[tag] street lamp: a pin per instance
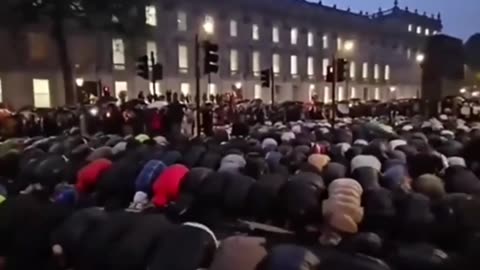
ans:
(238, 85)
(420, 58)
(348, 46)
(463, 90)
(79, 82)
(208, 26)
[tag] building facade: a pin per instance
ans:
(297, 39)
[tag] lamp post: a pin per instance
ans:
(420, 58)
(208, 27)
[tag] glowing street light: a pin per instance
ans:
(79, 82)
(475, 94)
(349, 45)
(238, 85)
(463, 90)
(420, 58)
(208, 26)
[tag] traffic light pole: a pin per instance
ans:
(197, 82)
(272, 86)
(152, 61)
(334, 85)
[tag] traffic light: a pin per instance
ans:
(330, 74)
(157, 72)
(211, 57)
(342, 69)
(265, 77)
(142, 67)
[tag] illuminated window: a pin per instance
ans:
(182, 21)
(185, 89)
(410, 28)
(326, 94)
(310, 67)
(325, 63)
(151, 15)
(310, 40)
(157, 88)
(276, 63)
(118, 48)
(387, 72)
(257, 91)
(275, 34)
(339, 43)
(376, 72)
(256, 63)
(294, 36)
(41, 93)
(212, 89)
(182, 58)
(233, 28)
(353, 92)
(255, 30)
(233, 61)
(434, 32)
(293, 65)
(377, 93)
(311, 91)
(427, 32)
(325, 41)
(341, 94)
(419, 30)
(365, 70)
(119, 87)
(352, 70)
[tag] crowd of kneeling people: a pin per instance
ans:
(302, 195)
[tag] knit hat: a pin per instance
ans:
(160, 140)
(395, 143)
(287, 136)
(232, 162)
(360, 142)
(430, 185)
(457, 161)
(297, 129)
(119, 147)
(318, 161)
(142, 138)
(365, 161)
(269, 144)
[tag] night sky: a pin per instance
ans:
(460, 18)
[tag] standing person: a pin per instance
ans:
(174, 116)
(141, 96)
(207, 119)
(187, 123)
